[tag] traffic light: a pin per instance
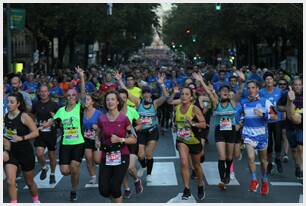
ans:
(218, 7)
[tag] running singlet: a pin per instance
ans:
(225, 116)
(148, 117)
(184, 131)
(71, 124)
(274, 97)
(89, 132)
(255, 129)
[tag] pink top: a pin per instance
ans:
(117, 127)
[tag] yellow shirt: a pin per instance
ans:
(135, 91)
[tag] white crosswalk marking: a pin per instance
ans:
(178, 199)
(212, 175)
(163, 174)
(45, 183)
(301, 198)
(286, 184)
(91, 185)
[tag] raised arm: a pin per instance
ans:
(83, 93)
(241, 85)
(213, 97)
(171, 100)
(295, 117)
(162, 99)
(131, 97)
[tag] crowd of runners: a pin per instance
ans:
(114, 116)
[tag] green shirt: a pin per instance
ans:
(135, 91)
(132, 114)
(71, 122)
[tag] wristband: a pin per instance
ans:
(162, 85)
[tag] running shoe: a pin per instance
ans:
(43, 173)
(269, 168)
(253, 186)
(221, 185)
(138, 186)
(227, 179)
(149, 178)
(52, 179)
(193, 175)
(186, 194)
(141, 171)
(298, 173)
(201, 193)
(127, 194)
(279, 165)
(285, 158)
(264, 190)
(36, 201)
(73, 196)
(93, 180)
(232, 175)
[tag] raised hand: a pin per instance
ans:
(118, 75)
(197, 76)
(291, 94)
(161, 78)
(240, 75)
(79, 70)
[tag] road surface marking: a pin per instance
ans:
(163, 174)
(211, 174)
(178, 199)
(286, 184)
(91, 185)
(45, 183)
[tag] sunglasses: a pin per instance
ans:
(282, 84)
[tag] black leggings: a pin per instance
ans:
(275, 130)
(111, 177)
(165, 114)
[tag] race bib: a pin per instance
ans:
(113, 158)
(71, 133)
(251, 142)
(146, 121)
(90, 134)
(8, 133)
(226, 124)
(47, 129)
(184, 133)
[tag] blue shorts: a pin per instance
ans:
(295, 137)
(258, 144)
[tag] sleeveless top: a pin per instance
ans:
(184, 130)
(148, 116)
(225, 116)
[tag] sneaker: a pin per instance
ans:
(36, 201)
(221, 186)
(52, 179)
(253, 186)
(269, 168)
(193, 175)
(149, 178)
(227, 179)
(186, 194)
(264, 190)
(298, 173)
(43, 173)
(138, 186)
(285, 158)
(127, 194)
(201, 193)
(279, 165)
(73, 196)
(93, 180)
(232, 175)
(141, 171)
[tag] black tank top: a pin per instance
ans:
(14, 126)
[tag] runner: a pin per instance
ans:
(133, 116)
(187, 143)
(115, 135)
(257, 111)
(225, 130)
(149, 135)
(274, 127)
(71, 149)
(43, 109)
(294, 130)
(19, 128)
(90, 122)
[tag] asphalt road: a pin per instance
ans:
(167, 182)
